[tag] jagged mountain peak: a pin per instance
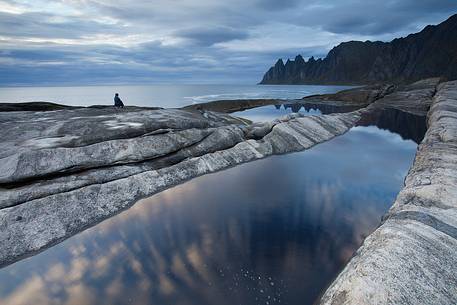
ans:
(430, 53)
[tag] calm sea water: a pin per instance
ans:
(157, 95)
(274, 231)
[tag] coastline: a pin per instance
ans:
(60, 212)
(43, 206)
(410, 258)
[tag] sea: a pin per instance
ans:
(163, 95)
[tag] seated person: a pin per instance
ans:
(117, 101)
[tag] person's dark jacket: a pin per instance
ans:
(118, 102)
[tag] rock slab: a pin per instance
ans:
(57, 181)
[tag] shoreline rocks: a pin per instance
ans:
(101, 163)
(410, 258)
(50, 106)
(106, 160)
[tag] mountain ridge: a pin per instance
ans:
(431, 52)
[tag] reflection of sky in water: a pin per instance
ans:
(274, 231)
(271, 112)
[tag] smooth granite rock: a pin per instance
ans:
(414, 98)
(355, 96)
(64, 171)
(215, 139)
(411, 258)
(37, 144)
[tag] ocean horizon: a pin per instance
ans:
(159, 95)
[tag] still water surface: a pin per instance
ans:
(158, 95)
(274, 231)
(271, 112)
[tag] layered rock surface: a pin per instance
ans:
(414, 98)
(62, 171)
(410, 258)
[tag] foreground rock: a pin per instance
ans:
(63, 171)
(38, 144)
(411, 258)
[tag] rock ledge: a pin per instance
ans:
(411, 258)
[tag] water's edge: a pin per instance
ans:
(413, 247)
(63, 215)
(410, 258)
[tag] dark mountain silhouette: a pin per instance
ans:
(429, 53)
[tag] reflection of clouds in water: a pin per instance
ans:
(80, 294)
(77, 269)
(259, 230)
(387, 135)
(46, 290)
(31, 291)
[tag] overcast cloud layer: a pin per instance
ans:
(188, 41)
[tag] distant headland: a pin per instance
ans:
(429, 53)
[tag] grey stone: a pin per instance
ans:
(415, 98)
(97, 164)
(410, 258)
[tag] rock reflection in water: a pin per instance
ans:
(325, 108)
(274, 231)
(271, 112)
(407, 125)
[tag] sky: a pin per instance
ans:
(188, 41)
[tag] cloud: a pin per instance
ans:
(50, 26)
(278, 5)
(372, 17)
(211, 36)
(108, 41)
